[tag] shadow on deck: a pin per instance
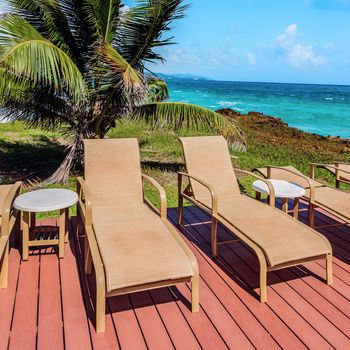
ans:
(49, 306)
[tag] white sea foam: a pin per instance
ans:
(228, 103)
(177, 91)
(329, 98)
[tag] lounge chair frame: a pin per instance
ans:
(93, 258)
(338, 178)
(187, 193)
(313, 204)
(10, 219)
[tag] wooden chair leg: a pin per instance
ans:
(296, 208)
(4, 265)
(329, 262)
(263, 282)
(312, 215)
(337, 183)
(100, 306)
(32, 220)
(17, 228)
(195, 293)
(66, 238)
(180, 210)
(25, 236)
(62, 232)
(214, 237)
(87, 257)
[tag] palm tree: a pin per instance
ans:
(80, 65)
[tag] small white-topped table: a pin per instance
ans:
(283, 189)
(43, 201)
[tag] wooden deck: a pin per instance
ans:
(47, 304)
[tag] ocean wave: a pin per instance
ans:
(227, 103)
(329, 98)
(177, 91)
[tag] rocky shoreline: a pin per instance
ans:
(276, 131)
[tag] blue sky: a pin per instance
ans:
(263, 40)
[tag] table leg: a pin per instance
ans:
(285, 205)
(25, 236)
(32, 219)
(66, 227)
(62, 233)
(258, 195)
(296, 208)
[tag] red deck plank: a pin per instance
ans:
(153, 330)
(207, 335)
(301, 309)
(50, 324)
(76, 330)
(128, 329)
(175, 323)
(7, 299)
(24, 327)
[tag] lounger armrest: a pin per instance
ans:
(162, 195)
(8, 209)
(322, 165)
(214, 198)
(272, 195)
(84, 201)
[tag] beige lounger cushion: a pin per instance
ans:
(281, 238)
(137, 249)
(135, 244)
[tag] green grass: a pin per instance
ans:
(27, 153)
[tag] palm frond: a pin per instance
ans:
(157, 90)
(118, 69)
(177, 116)
(143, 26)
(26, 53)
(12, 88)
(103, 15)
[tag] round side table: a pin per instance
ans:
(39, 201)
(283, 189)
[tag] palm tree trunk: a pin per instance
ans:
(61, 175)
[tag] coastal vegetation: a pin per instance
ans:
(79, 68)
(31, 154)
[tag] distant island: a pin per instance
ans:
(182, 77)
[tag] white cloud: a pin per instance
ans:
(294, 53)
(181, 55)
(251, 58)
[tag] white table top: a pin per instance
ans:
(283, 189)
(45, 200)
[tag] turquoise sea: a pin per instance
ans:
(321, 109)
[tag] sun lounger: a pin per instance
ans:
(340, 170)
(332, 200)
(278, 240)
(130, 244)
(9, 217)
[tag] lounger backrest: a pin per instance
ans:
(287, 176)
(208, 158)
(113, 171)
